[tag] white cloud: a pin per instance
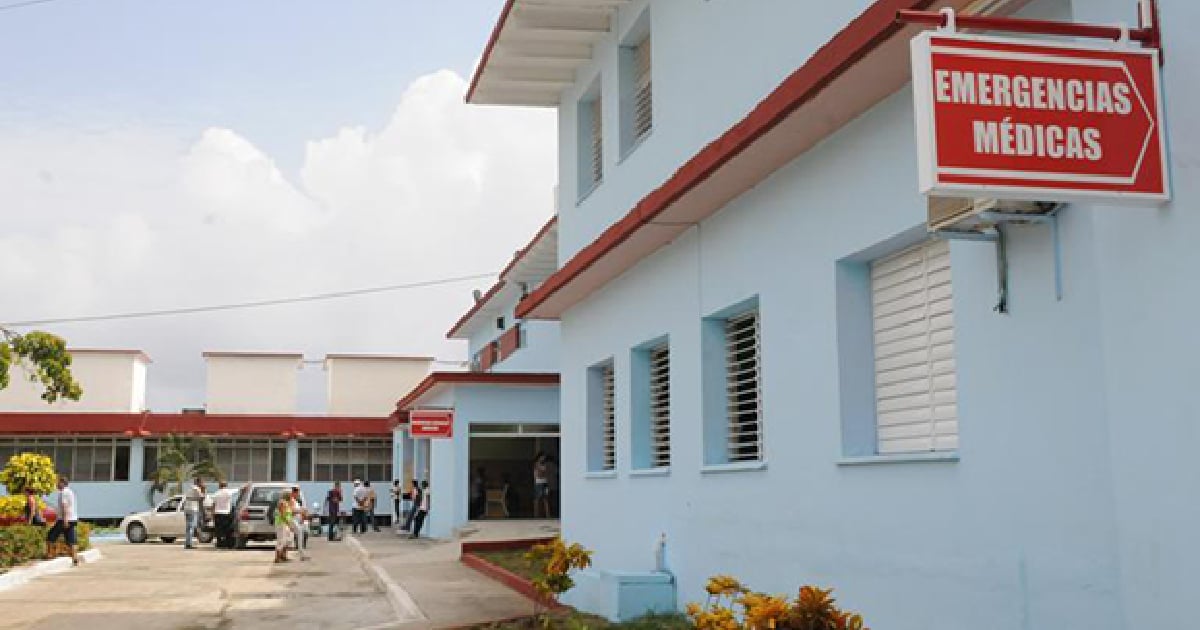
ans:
(132, 219)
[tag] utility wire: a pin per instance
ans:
(21, 5)
(256, 304)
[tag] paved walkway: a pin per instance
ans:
(448, 594)
(376, 581)
(155, 586)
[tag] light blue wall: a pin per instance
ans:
(541, 350)
(449, 477)
(721, 58)
(1073, 502)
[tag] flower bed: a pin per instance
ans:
(24, 543)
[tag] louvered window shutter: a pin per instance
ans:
(915, 382)
(643, 99)
(743, 393)
(660, 405)
(610, 425)
(597, 141)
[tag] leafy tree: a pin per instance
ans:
(181, 459)
(44, 358)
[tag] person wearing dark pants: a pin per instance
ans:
(333, 505)
(422, 510)
(372, 501)
(414, 499)
(359, 515)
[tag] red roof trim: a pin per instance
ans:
(541, 233)
(158, 424)
(527, 379)
(487, 51)
(476, 307)
(873, 26)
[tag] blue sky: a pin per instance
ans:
(278, 71)
(159, 154)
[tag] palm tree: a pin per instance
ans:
(181, 459)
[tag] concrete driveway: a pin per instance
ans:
(156, 586)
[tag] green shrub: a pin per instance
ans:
(20, 544)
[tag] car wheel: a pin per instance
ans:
(168, 539)
(204, 537)
(240, 543)
(135, 533)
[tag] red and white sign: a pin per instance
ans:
(431, 423)
(1042, 121)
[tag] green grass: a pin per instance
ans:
(512, 560)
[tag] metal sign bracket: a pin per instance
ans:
(996, 235)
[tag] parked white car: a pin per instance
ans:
(166, 522)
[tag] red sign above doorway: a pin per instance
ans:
(1013, 119)
(431, 423)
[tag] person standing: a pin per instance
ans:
(33, 515)
(283, 532)
(359, 515)
(396, 491)
(193, 510)
(298, 513)
(414, 499)
(422, 509)
(541, 486)
(68, 518)
(372, 501)
(333, 505)
(223, 515)
(478, 494)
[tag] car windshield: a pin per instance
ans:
(265, 495)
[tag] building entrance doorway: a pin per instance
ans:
(501, 471)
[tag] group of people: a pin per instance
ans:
(363, 510)
(67, 518)
(193, 510)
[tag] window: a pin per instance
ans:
(79, 458)
(743, 398)
(652, 406)
(590, 114)
(610, 419)
(278, 462)
(602, 430)
(170, 505)
(343, 460)
(731, 372)
(637, 94)
(913, 336)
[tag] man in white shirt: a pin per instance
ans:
(193, 511)
(359, 514)
(68, 518)
(223, 515)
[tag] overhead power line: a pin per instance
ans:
(255, 304)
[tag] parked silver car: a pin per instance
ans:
(166, 521)
(255, 510)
